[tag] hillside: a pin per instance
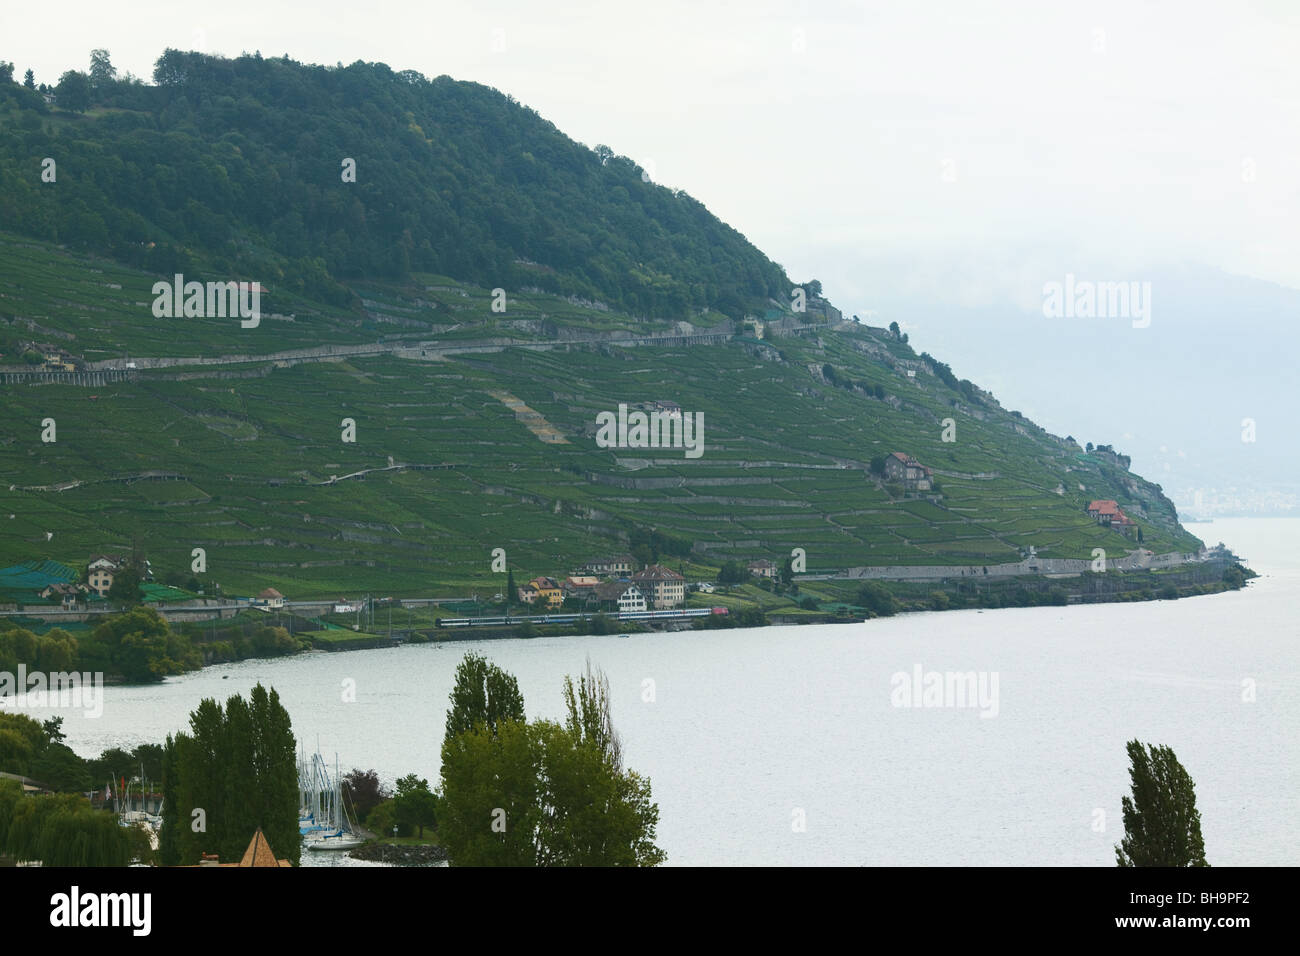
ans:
(236, 168)
(475, 429)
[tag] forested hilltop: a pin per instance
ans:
(234, 167)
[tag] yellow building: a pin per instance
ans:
(549, 591)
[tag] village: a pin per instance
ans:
(616, 585)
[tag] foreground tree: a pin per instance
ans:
(236, 770)
(541, 794)
(484, 694)
(589, 718)
(1162, 826)
(63, 830)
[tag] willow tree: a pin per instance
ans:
(62, 830)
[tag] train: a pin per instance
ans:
(501, 620)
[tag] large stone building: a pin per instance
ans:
(664, 588)
(907, 471)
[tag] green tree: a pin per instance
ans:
(125, 589)
(644, 554)
(415, 805)
(536, 796)
(73, 91)
(541, 794)
(169, 834)
(876, 598)
(483, 694)
(512, 593)
(239, 767)
(60, 830)
(102, 72)
(142, 647)
(59, 768)
(29, 80)
(733, 572)
(1162, 826)
(588, 714)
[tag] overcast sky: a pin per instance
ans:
(1007, 140)
(933, 163)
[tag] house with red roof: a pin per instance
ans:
(1107, 512)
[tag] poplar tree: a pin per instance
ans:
(238, 766)
(1162, 826)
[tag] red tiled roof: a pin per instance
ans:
(657, 572)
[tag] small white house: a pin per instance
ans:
(270, 598)
(631, 600)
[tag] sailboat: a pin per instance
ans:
(151, 822)
(323, 820)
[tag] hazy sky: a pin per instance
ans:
(932, 163)
(1006, 141)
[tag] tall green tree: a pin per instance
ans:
(540, 794)
(589, 716)
(237, 766)
(483, 694)
(102, 71)
(787, 572)
(1162, 826)
(169, 835)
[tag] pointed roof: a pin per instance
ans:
(259, 852)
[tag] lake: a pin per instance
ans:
(789, 745)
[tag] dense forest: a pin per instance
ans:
(240, 168)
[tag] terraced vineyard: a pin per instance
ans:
(248, 461)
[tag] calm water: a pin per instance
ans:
(748, 729)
